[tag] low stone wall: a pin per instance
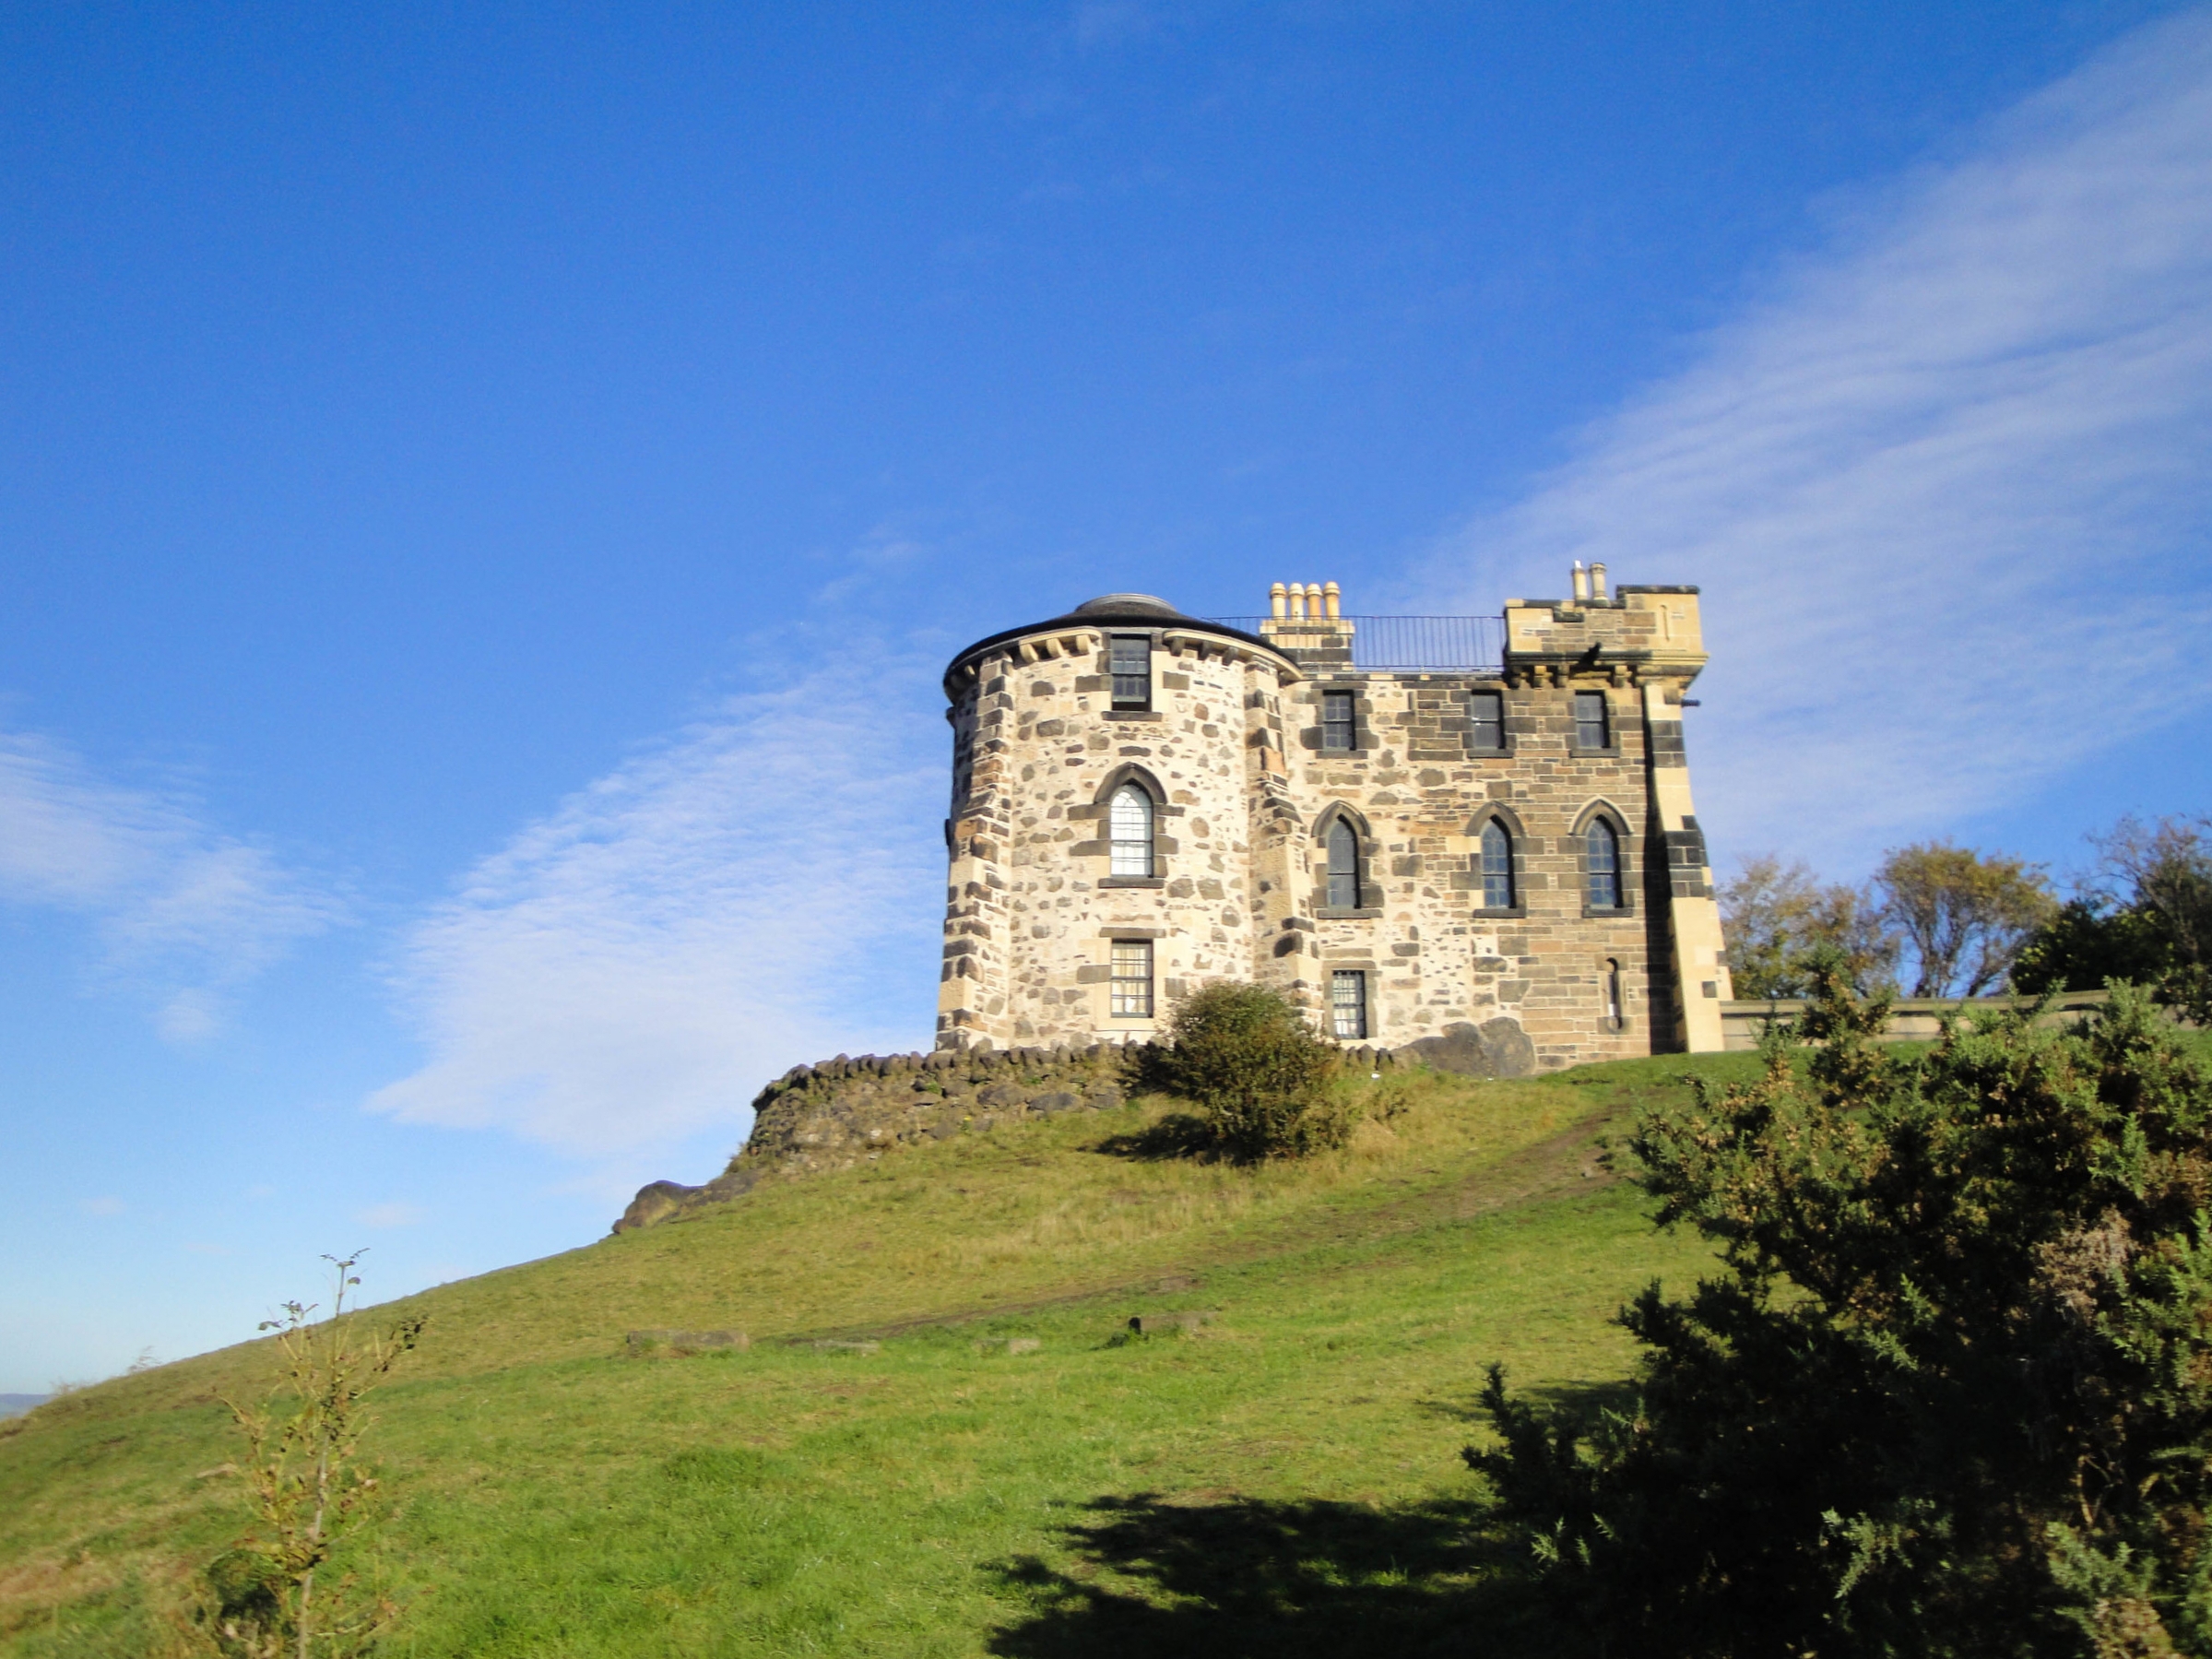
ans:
(846, 1111)
(1912, 1019)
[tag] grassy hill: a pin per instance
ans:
(1284, 1480)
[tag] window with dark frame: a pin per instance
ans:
(1129, 831)
(1497, 867)
(1129, 661)
(1348, 1004)
(1338, 721)
(1602, 865)
(1343, 865)
(1131, 983)
(1591, 729)
(1487, 714)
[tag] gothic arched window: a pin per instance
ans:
(1497, 867)
(1602, 864)
(1129, 820)
(1343, 865)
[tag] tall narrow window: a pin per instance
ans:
(1592, 730)
(1344, 867)
(1132, 978)
(1602, 865)
(1131, 664)
(1128, 831)
(1337, 720)
(1487, 714)
(1613, 995)
(1497, 867)
(1348, 1004)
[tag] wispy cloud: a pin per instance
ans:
(179, 906)
(758, 891)
(1944, 482)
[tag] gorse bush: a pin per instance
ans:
(1250, 1060)
(1952, 1393)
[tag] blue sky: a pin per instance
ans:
(485, 494)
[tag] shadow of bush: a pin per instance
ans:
(1177, 1135)
(1252, 1577)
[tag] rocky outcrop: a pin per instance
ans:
(847, 1111)
(1496, 1048)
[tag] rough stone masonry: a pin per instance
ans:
(1143, 801)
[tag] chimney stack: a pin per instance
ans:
(1597, 583)
(1582, 583)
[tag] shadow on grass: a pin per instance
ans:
(1248, 1577)
(1585, 1401)
(1177, 1135)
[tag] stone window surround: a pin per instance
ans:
(1628, 872)
(1518, 837)
(1504, 752)
(1371, 1004)
(1364, 741)
(1370, 851)
(1163, 847)
(1612, 969)
(1612, 725)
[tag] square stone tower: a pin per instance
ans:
(1472, 835)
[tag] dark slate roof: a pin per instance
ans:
(1135, 608)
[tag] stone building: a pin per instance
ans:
(1468, 832)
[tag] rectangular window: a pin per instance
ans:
(1592, 730)
(1130, 657)
(1338, 721)
(1348, 1004)
(1132, 978)
(1487, 710)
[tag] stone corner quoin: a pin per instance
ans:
(1144, 802)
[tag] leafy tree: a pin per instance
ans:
(1248, 1058)
(1951, 1393)
(2145, 915)
(1777, 917)
(1962, 914)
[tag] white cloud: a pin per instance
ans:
(751, 893)
(179, 907)
(1944, 484)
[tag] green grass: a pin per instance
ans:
(1285, 1480)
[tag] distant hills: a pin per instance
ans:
(15, 1405)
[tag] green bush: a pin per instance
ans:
(1952, 1393)
(1251, 1062)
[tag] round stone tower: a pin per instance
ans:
(1106, 765)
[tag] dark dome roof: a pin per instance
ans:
(1125, 604)
(1107, 608)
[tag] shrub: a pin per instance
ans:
(1248, 1058)
(1952, 1393)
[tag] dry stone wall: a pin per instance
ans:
(849, 1111)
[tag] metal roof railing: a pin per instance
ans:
(1461, 645)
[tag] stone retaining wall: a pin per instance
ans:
(847, 1111)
